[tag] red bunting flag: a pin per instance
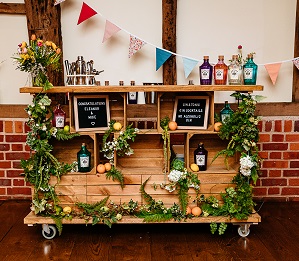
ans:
(86, 13)
(273, 70)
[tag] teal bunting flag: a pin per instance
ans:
(189, 65)
(161, 57)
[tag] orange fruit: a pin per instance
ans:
(107, 166)
(188, 211)
(217, 126)
(196, 211)
(172, 125)
(101, 168)
(117, 126)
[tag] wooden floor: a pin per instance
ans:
(275, 238)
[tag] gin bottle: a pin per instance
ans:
(235, 72)
(226, 112)
(220, 71)
(201, 157)
(83, 157)
(59, 116)
(132, 96)
(206, 72)
(250, 71)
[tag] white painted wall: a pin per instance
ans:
(203, 28)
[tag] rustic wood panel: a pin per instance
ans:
(295, 93)
(113, 190)
(44, 20)
(169, 11)
(70, 190)
(12, 8)
(102, 180)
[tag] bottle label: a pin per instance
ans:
(133, 96)
(59, 121)
(234, 73)
(219, 74)
(248, 73)
(205, 73)
(84, 162)
(225, 117)
(200, 160)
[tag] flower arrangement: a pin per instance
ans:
(37, 58)
(241, 129)
(181, 179)
(42, 164)
(120, 145)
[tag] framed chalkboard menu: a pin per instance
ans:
(91, 112)
(191, 112)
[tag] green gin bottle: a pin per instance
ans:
(250, 71)
(226, 112)
(83, 157)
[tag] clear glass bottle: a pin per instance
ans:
(132, 96)
(226, 112)
(59, 116)
(83, 158)
(250, 71)
(220, 71)
(206, 72)
(235, 72)
(201, 157)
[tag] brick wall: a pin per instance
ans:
(279, 147)
(12, 150)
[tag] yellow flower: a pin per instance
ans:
(48, 43)
(24, 44)
(54, 46)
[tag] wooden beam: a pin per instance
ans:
(169, 11)
(12, 8)
(44, 20)
(295, 96)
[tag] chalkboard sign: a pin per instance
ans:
(91, 112)
(191, 112)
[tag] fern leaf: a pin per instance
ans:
(115, 174)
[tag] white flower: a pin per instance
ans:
(246, 165)
(175, 175)
(119, 216)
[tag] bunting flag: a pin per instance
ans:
(273, 70)
(296, 62)
(86, 13)
(135, 45)
(161, 57)
(189, 65)
(110, 29)
(57, 2)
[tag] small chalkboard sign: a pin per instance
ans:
(191, 112)
(91, 112)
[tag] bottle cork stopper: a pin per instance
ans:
(206, 57)
(221, 57)
(249, 55)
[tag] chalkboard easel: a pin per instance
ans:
(191, 112)
(91, 112)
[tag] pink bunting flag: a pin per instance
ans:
(135, 45)
(273, 70)
(110, 29)
(57, 2)
(86, 13)
(296, 62)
